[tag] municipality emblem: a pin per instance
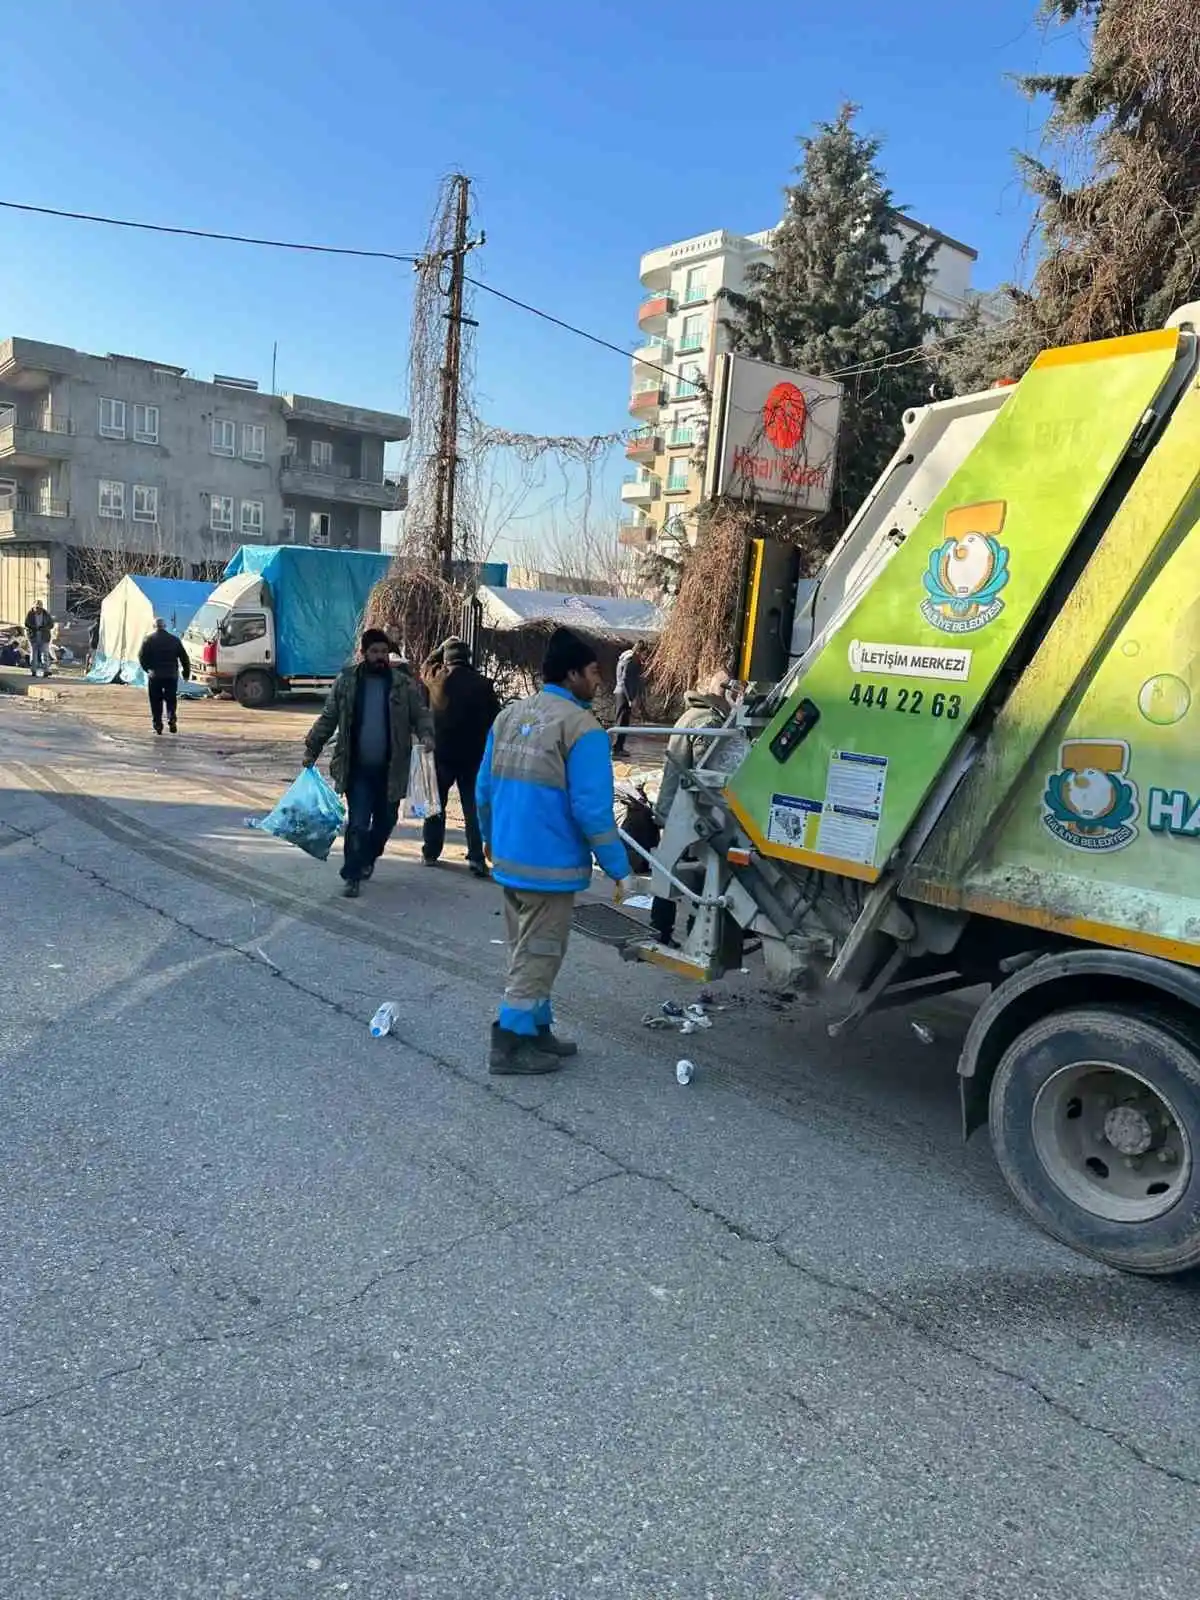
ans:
(968, 570)
(1091, 803)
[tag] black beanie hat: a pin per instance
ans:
(566, 652)
(456, 654)
(374, 636)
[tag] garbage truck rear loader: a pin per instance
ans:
(984, 768)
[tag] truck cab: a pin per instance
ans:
(231, 641)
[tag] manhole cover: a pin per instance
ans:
(607, 923)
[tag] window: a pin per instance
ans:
(696, 286)
(677, 475)
(682, 433)
(242, 630)
(145, 503)
(220, 515)
(112, 499)
(289, 522)
(318, 527)
(112, 419)
(254, 441)
(224, 437)
(692, 336)
(322, 455)
(252, 519)
(145, 425)
(688, 386)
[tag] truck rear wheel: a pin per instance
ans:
(1095, 1121)
(254, 689)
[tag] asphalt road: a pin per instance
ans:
(289, 1311)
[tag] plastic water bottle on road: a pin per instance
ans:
(384, 1019)
(685, 1071)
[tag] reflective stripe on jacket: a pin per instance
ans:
(545, 795)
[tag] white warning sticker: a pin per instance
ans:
(910, 661)
(853, 806)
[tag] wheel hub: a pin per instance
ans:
(1128, 1130)
(1111, 1142)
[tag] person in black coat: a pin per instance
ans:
(162, 658)
(464, 706)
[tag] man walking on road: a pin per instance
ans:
(464, 708)
(162, 658)
(546, 807)
(39, 629)
(630, 677)
(376, 710)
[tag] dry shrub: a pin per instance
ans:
(699, 634)
(417, 609)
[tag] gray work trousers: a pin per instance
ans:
(538, 927)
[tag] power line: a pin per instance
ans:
(880, 364)
(206, 233)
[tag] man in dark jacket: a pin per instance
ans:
(376, 710)
(161, 658)
(464, 707)
(627, 691)
(39, 630)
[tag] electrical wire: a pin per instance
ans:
(887, 362)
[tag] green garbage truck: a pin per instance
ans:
(983, 769)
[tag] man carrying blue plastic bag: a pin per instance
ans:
(376, 711)
(545, 795)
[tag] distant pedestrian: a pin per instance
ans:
(39, 630)
(546, 807)
(631, 668)
(464, 707)
(376, 711)
(162, 658)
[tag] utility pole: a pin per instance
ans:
(447, 456)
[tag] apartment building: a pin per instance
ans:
(115, 453)
(681, 335)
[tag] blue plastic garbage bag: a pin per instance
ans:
(309, 815)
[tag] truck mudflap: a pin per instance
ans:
(1054, 982)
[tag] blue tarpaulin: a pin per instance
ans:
(318, 597)
(127, 615)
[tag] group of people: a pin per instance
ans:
(535, 781)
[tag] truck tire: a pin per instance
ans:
(1095, 1122)
(254, 689)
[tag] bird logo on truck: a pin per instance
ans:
(968, 570)
(1091, 803)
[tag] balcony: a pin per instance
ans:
(385, 425)
(681, 435)
(640, 488)
(653, 352)
(32, 516)
(335, 481)
(647, 401)
(677, 482)
(655, 309)
(690, 343)
(30, 439)
(636, 535)
(643, 444)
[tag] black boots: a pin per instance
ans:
(517, 1054)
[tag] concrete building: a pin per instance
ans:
(680, 322)
(117, 454)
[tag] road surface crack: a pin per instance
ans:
(929, 1331)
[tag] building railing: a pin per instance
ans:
(35, 421)
(658, 294)
(693, 341)
(685, 435)
(38, 505)
(329, 469)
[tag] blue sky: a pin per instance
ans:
(593, 134)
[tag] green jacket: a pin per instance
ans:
(410, 720)
(686, 746)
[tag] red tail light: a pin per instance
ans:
(209, 656)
